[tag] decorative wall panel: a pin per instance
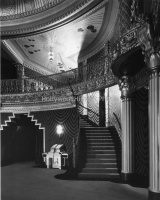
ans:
(50, 119)
(141, 132)
(93, 105)
(115, 108)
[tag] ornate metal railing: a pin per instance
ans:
(43, 83)
(125, 43)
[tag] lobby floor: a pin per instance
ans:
(25, 181)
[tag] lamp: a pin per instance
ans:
(59, 129)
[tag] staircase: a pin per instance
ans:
(103, 159)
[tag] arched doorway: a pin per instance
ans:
(21, 140)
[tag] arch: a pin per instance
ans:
(32, 119)
(6, 121)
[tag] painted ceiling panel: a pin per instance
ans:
(58, 50)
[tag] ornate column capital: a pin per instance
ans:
(150, 44)
(127, 87)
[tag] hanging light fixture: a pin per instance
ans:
(51, 55)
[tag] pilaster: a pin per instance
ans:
(127, 121)
(150, 43)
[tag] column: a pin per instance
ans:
(20, 76)
(102, 108)
(154, 134)
(127, 121)
(150, 44)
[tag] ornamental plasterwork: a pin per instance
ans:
(12, 9)
(58, 95)
(110, 32)
(55, 20)
(24, 109)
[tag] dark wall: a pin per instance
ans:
(141, 132)
(21, 140)
(8, 70)
(50, 119)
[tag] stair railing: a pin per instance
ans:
(95, 115)
(117, 124)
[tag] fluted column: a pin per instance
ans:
(150, 44)
(127, 121)
(154, 134)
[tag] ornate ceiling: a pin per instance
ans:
(12, 9)
(56, 49)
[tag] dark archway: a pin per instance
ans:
(21, 140)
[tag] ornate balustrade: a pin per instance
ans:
(57, 88)
(125, 43)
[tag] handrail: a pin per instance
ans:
(119, 124)
(88, 109)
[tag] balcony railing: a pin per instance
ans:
(94, 70)
(44, 83)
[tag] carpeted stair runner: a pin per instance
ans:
(103, 160)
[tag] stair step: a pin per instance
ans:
(104, 147)
(101, 160)
(101, 165)
(91, 133)
(95, 130)
(101, 151)
(99, 137)
(100, 170)
(99, 129)
(101, 143)
(103, 156)
(100, 140)
(99, 176)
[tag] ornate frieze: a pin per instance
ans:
(54, 20)
(34, 107)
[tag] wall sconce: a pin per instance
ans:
(59, 129)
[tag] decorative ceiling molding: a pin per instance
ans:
(104, 35)
(39, 26)
(25, 8)
(14, 53)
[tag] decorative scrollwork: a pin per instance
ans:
(127, 86)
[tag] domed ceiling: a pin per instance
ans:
(58, 50)
(11, 9)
